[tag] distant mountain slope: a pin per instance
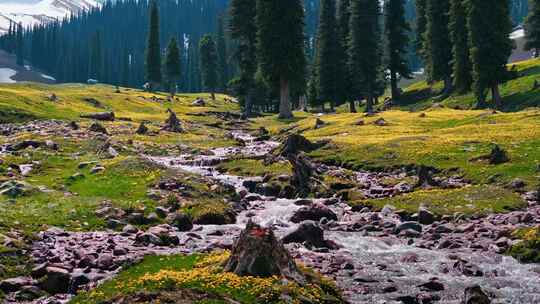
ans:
(10, 72)
(30, 12)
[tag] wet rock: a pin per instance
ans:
(433, 285)
(258, 253)
(28, 293)
(517, 184)
(315, 212)
(408, 225)
(129, 229)
(56, 281)
(136, 218)
(180, 220)
(78, 281)
(467, 268)
(103, 116)
(14, 284)
(425, 217)
(31, 143)
(307, 232)
(475, 295)
(216, 218)
(98, 128)
(105, 261)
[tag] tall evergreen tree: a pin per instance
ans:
(344, 74)
(244, 31)
(489, 26)
(221, 46)
(462, 67)
(20, 45)
(153, 49)
(438, 43)
(126, 65)
(327, 54)
(532, 27)
(280, 46)
(365, 50)
(421, 23)
(173, 68)
(207, 50)
(96, 58)
(397, 42)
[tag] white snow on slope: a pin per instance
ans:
(520, 33)
(6, 74)
(30, 12)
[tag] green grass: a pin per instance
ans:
(478, 200)
(166, 275)
(528, 249)
(251, 167)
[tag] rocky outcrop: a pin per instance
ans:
(315, 212)
(258, 253)
(309, 233)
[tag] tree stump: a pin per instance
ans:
(475, 295)
(294, 144)
(425, 178)
(258, 253)
(98, 128)
(142, 129)
(498, 156)
(172, 124)
(303, 173)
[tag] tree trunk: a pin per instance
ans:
(448, 87)
(496, 96)
(172, 88)
(394, 86)
(481, 102)
(352, 106)
(213, 95)
(247, 106)
(332, 108)
(369, 104)
(285, 102)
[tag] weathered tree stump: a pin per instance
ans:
(257, 252)
(104, 116)
(498, 156)
(73, 125)
(142, 129)
(303, 173)
(425, 178)
(296, 143)
(475, 295)
(172, 124)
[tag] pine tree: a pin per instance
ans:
(421, 24)
(489, 26)
(344, 74)
(153, 49)
(96, 58)
(280, 46)
(397, 41)
(532, 27)
(173, 69)
(20, 45)
(221, 45)
(327, 54)
(125, 80)
(244, 31)
(437, 46)
(462, 68)
(207, 50)
(364, 50)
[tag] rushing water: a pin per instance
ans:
(379, 269)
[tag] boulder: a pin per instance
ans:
(425, 177)
(14, 284)
(98, 128)
(425, 217)
(199, 102)
(307, 232)
(102, 116)
(73, 125)
(28, 293)
(475, 295)
(57, 280)
(314, 212)
(180, 220)
(408, 225)
(258, 253)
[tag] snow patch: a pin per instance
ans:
(6, 74)
(517, 34)
(48, 77)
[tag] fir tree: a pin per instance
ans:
(153, 49)
(20, 45)
(421, 24)
(397, 42)
(207, 50)
(125, 80)
(344, 74)
(96, 58)
(221, 46)
(532, 27)
(280, 46)
(173, 69)
(327, 54)
(437, 47)
(364, 50)
(462, 68)
(489, 26)
(244, 31)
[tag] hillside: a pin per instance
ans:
(10, 72)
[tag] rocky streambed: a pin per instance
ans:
(375, 257)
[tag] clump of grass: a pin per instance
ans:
(528, 249)
(251, 167)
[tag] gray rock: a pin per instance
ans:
(307, 232)
(408, 225)
(180, 220)
(15, 284)
(314, 212)
(475, 295)
(425, 217)
(56, 281)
